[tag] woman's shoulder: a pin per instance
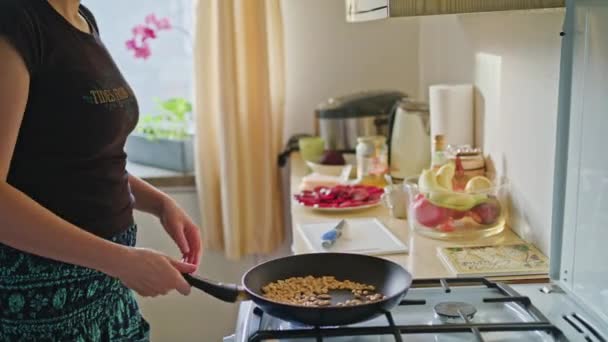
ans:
(19, 23)
(19, 12)
(16, 7)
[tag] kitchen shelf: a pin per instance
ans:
(407, 8)
(366, 10)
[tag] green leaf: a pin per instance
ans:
(170, 123)
(178, 106)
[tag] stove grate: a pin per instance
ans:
(318, 333)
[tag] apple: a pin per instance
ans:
(457, 215)
(486, 213)
(428, 214)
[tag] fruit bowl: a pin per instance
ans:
(439, 210)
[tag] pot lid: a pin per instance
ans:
(361, 104)
(413, 106)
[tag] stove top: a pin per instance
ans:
(462, 309)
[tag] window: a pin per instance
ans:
(165, 77)
(167, 73)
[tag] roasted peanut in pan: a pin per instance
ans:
(312, 291)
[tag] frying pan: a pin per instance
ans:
(390, 279)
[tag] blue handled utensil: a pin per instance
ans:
(330, 237)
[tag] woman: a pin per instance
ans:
(67, 259)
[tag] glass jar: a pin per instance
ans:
(442, 214)
(380, 162)
(365, 152)
(439, 157)
(469, 162)
(372, 160)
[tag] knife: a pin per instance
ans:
(329, 238)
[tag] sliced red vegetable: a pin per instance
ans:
(340, 196)
(359, 195)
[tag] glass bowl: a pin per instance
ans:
(457, 215)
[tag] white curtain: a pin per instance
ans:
(239, 103)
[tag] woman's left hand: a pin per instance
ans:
(182, 230)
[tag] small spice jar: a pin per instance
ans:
(469, 162)
(372, 160)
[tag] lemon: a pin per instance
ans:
(457, 200)
(478, 184)
(445, 175)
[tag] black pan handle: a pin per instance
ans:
(230, 293)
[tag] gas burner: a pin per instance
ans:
(455, 310)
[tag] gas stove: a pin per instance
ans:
(460, 309)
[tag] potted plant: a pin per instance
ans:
(163, 139)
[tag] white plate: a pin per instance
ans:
(341, 210)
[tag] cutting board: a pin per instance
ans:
(362, 236)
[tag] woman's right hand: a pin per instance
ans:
(150, 273)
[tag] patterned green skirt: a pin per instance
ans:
(46, 300)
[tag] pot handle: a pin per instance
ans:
(230, 293)
(391, 124)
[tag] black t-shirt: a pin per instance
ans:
(69, 155)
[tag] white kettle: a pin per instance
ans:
(410, 141)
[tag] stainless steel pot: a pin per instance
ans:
(340, 121)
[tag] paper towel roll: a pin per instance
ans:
(452, 113)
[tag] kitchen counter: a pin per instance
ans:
(161, 178)
(422, 260)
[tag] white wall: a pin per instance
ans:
(325, 57)
(513, 59)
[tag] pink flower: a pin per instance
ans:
(163, 24)
(143, 51)
(144, 31)
(160, 24)
(151, 19)
(131, 45)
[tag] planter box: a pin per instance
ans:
(176, 155)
